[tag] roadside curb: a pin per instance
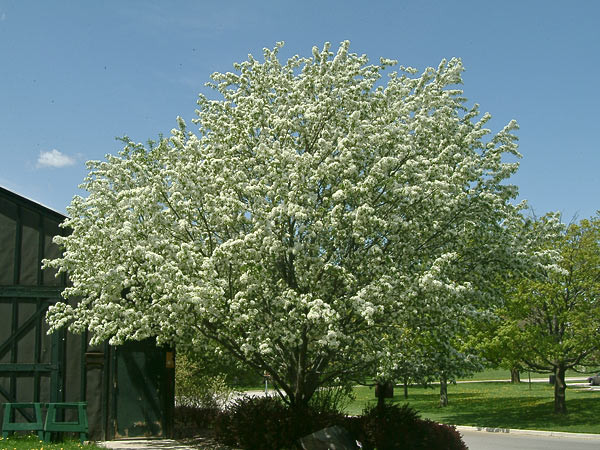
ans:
(588, 436)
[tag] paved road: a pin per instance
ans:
(482, 440)
(475, 440)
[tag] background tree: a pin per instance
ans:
(198, 387)
(492, 335)
(552, 319)
(449, 359)
(421, 355)
(315, 208)
(491, 339)
(450, 362)
(212, 362)
(404, 359)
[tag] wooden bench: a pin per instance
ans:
(9, 427)
(52, 424)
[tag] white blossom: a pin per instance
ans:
(315, 208)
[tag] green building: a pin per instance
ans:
(129, 390)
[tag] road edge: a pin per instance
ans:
(589, 436)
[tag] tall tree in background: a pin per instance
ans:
(315, 209)
(425, 353)
(551, 322)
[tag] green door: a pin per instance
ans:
(143, 395)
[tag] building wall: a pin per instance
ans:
(32, 366)
(35, 366)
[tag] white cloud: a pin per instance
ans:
(54, 158)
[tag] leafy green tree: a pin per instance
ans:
(450, 360)
(404, 359)
(551, 322)
(420, 355)
(315, 208)
(490, 338)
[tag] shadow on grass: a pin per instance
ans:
(431, 397)
(499, 405)
(526, 413)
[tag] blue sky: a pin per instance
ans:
(76, 74)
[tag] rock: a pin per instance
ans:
(331, 438)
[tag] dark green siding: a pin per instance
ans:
(35, 366)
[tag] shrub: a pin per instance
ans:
(193, 388)
(395, 427)
(386, 427)
(223, 428)
(189, 420)
(255, 423)
(439, 436)
(332, 399)
(266, 423)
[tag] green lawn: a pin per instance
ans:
(33, 443)
(503, 374)
(487, 374)
(501, 405)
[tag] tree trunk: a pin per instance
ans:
(443, 392)
(515, 376)
(380, 402)
(301, 390)
(305, 381)
(383, 390)
(560, 399)
(406, 388)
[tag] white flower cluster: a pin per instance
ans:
(315, 210)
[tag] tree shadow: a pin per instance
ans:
(527, 413)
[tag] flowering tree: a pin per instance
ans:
(316, 208)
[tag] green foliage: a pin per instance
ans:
(394, 427)
(209, 361)
(194, 388)
(33, 443)
(551, 317)
(558, 312)
(333, 399)
(265, 423)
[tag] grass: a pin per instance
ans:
(502, 405)
(33, 443)
(503, 374)
(487, 374)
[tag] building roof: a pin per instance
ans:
(32, 204)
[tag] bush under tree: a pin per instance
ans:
(268, 424)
